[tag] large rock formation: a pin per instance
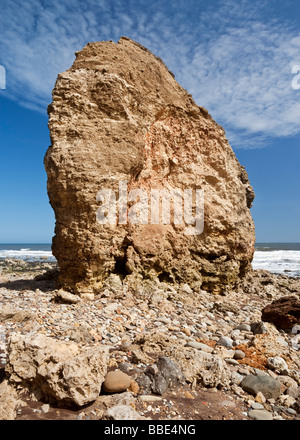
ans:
(118, 115)
(57, 370)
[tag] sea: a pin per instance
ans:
(279, 258)
(27, 251)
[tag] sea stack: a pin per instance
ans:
(124, 132)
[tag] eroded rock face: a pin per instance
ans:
(207, 369)
(8, 401)
(118, 115)
(58, 370)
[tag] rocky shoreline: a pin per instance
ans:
(166, 352)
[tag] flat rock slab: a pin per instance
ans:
(269, 387)
(260, 414)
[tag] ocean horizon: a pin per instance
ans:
(27, 251)
(279, 258)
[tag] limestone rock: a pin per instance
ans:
(271, 344)
(123, 412)
(156, 342)
(9, 313)
(283, 312)
(79, 334)
(260, 398)
(226, 306)
(8, 401)
(118, 115)
(205, 368)
(65, 297)
(278, 364)
(118, 407)
(62, 371)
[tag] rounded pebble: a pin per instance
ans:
(259, 414)
(239, 354)
(116, 382)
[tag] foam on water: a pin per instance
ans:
(280, 258)
(285, 262)
(27, 254)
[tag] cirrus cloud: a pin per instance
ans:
(236, 60)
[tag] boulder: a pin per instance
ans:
(123, 133)
(58, 370)
(269, 387)
(283, 312)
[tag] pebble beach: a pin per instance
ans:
(139, 326)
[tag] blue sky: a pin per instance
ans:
(234, 57)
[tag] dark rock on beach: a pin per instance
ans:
(283, 312)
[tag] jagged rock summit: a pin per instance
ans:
(121, 130)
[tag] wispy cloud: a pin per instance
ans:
(234, 57)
